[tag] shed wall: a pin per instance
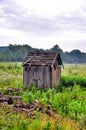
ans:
(56, 75)
(39, 75)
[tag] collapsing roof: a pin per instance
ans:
(42, 69)
(42, 59)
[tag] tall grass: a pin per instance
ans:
(74, 70)
(67, 99)
(11, 75)
(9, 120)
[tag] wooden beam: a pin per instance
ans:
(29, 59)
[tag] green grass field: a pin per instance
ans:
(68, 99)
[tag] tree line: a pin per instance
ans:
(18, 53)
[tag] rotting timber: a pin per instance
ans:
(15, 102)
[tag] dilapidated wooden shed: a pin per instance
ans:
(42, 69)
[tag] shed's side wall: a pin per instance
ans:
(56, 75)
(41, 75)
(53, 77)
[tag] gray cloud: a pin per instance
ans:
(12, 16)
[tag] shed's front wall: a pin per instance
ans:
(39, 75)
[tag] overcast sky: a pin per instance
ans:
(44, 23)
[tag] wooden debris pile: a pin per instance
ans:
(18, 106)
(35, 106)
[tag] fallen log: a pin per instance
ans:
(13, 90)
(4, 99)
(51, 113)
(22, 105)
(9, 99)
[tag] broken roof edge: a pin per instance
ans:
(30, 58)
